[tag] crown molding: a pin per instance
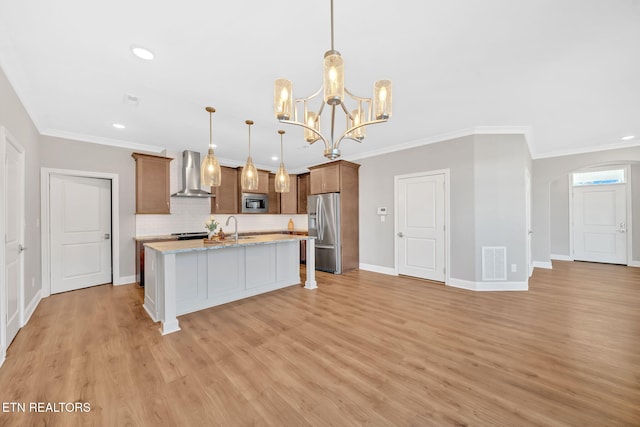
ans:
(103, 141)
(585, 150)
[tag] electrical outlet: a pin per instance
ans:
(514, 268)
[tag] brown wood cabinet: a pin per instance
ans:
(263, 182)
(342, 177)
(274, 198)
(226, 200)
(152, 184)
(303, 192)
(325, 178)
(289, 200)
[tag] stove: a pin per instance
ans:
(191, 235)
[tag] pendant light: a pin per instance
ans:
(282, 177)
(210, 172)
(249, 179)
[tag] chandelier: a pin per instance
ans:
(365, 112)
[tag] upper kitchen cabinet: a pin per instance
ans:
(303, 192)
(274, 198)
(152, 184)
(226, 200)
(333, 177)
(263, 182)
(289, 200)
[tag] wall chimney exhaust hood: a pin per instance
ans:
(191, 176)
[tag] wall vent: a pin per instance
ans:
(494, 263)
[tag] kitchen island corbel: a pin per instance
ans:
(188, 275)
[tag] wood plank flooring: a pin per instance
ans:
(363, 349)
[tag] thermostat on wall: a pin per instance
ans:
(382, 211)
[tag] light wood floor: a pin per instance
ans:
(364, 348)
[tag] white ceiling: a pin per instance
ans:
(566, 72)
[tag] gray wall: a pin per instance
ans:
(487, 199)
(82, 156)
(545, 174)
(500, 164)
(14, 117)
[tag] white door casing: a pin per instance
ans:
(527, 215)
(420, 225)
(600, 223)
(13, 190)
(80, 224)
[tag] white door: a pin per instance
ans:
(599, 223)
(80, 223)
(14, 237)
(420, 235)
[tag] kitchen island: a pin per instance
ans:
(184, 276)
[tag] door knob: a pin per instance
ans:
(107, 236)
(21, 248)
(400, 234)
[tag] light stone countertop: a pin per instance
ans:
(241, 233)
(176, 246)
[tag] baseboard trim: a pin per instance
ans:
(378, 269)
(2, 357)
(634, 264)
(125, 280)
(488, 286)
(561, 257)
(543, 264)
(149, 312)
(31, 308)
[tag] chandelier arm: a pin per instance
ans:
(348, 131)
(344, 108)
(356, 97)
(291, 122)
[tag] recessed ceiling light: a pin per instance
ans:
(118, 126)
(142, 53)
(628, 137)
(274, 157)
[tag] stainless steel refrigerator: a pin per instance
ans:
(324, 225)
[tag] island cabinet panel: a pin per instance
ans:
(226, 200)
(225, 272)
(152, 184)
(287, 263)
(261, 266)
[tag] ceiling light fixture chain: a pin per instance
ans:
(282, 181)
(368, 110)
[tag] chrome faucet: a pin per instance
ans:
(235, 220)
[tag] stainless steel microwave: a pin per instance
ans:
(255, 203)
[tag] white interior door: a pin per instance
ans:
(80, 223)
(600, 223)
(420, 227)
(14, 238)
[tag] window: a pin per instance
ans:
(599, 177)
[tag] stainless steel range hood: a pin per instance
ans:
(191, 176)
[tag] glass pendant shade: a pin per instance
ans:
(382, 99)
(358, 118)
(282, 177)
(333, 78)
(282, 180)
(210, 172)
(249, 178)
(311, 119)
(283, 99)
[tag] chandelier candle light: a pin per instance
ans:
(282, 177)
(210, 172)
(367, 111)
(249, 179)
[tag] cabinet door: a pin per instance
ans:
(226, 200)
(289, 200)
(303, 192)
(325, 179)
(152, 184)
(274, 198)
